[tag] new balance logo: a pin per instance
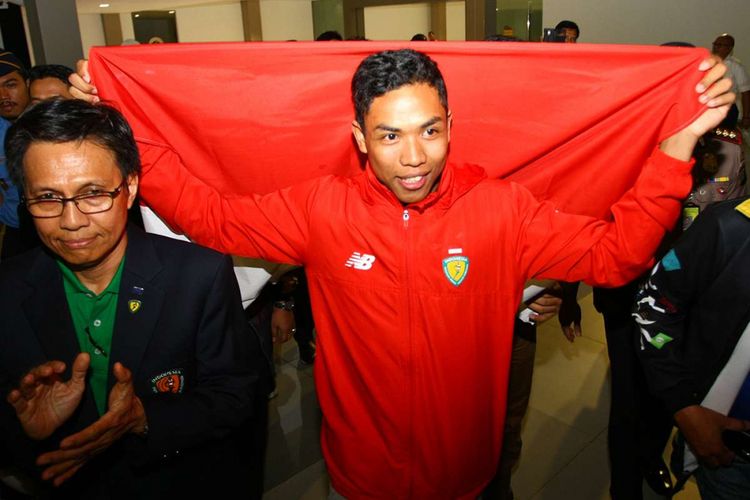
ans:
(361, 261)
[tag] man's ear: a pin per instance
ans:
(450, 123)
(359, 136)
(132, 189)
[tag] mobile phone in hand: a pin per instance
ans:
(738, 442)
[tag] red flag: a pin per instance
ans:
(573, 123)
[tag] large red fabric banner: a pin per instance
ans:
(573, 123)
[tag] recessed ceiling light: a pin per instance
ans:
(171, 12)
(137, 15)
(103, 5)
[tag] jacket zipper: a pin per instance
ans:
(410, 351)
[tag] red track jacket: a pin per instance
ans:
(414, 305)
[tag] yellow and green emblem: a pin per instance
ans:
(456, 268)
(134, 306)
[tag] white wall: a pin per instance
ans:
(286, 20)
(92, 31)
(126, 24)
(26, 28)
(655, 21)
(397, 22)
(455, 12)
(210, 23)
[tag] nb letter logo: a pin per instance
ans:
(361, 261)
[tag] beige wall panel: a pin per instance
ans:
(92, 31)
(210, 23)
(286, 20)
(397, 22)
(455, 19)
(126, 22)
(651, 23)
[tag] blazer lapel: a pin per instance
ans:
(139, 302)
(47, 312)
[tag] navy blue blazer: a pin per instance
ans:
(180, 329)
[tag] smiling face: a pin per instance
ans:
(406, 136)
(85, 242)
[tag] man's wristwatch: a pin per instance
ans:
(287, 304)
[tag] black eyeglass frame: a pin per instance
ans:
(75, 199)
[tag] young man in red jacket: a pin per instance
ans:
(415, 269)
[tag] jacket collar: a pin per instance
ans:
(139, 303)
(455, 181)
(47, 311)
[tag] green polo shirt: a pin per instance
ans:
(94, 320)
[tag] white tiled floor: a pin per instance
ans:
(565, 432)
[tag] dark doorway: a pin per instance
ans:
(151, 26)
(14, 34)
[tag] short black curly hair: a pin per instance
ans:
(50, 71)
(390, 70)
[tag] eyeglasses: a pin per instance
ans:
(94, 202)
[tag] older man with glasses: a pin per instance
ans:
(125, 357)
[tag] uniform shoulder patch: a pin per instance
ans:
(744, 208)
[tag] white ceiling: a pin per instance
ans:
(115, 6)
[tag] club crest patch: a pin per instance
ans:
(171, 381)
(134, 306)
(456, 268)
(744, 208)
